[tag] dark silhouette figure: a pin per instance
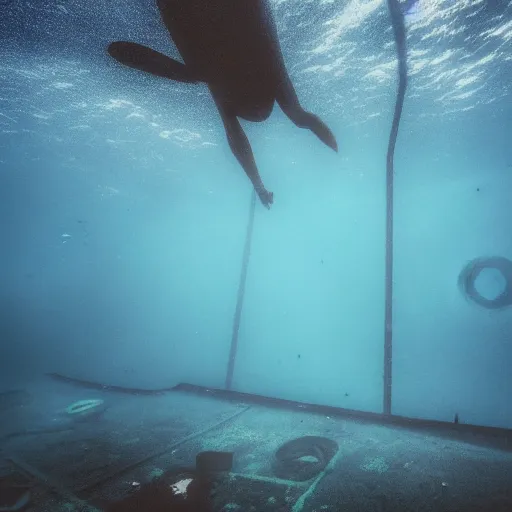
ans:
(232, 46)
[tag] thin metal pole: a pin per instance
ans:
(241, 294)
(397, 21)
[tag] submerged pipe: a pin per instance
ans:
(398, 24)
(241, 294)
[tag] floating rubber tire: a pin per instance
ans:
(289, 458)
(470, 273)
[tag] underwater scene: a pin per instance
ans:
(256, 256)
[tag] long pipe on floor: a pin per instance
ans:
(241, 294)
(398, 23)
(115, 473)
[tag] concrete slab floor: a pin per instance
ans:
(92, 464)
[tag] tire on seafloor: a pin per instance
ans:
(303, 458)
(85, 409)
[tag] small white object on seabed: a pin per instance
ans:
(181, 486)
